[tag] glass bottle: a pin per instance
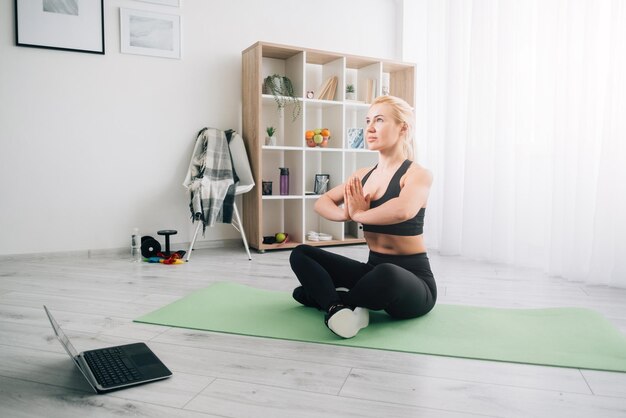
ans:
(135, 245)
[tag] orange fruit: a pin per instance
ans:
(309, 134)
(325, 132)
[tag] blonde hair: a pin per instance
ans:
(402, 113)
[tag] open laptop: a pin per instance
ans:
(113, 368)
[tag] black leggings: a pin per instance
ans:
(402, 285)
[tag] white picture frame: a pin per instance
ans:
(356, 138)
(150, 33)
(68, 25)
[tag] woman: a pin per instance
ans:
(389, 200)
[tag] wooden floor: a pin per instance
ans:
(220, 375)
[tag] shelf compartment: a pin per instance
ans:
(355, 118)
(325, 116)
(283, 215)
(292, 67)
(288, 130)
(318, 71)
(322, 163)
(273, 159)
(315, 222)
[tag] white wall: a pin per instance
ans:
(93, 145)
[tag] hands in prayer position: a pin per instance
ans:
(354, 200)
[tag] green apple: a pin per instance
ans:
(318, 139)
(317, 131)
(280, 237)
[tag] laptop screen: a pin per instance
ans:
(61, 335)
(65, 342)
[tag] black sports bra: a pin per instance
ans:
(413, 226)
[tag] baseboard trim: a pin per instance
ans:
(119, 252)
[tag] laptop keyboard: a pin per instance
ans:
(111, 367)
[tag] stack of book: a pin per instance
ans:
(328, 89)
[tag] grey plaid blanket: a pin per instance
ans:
(210, 179)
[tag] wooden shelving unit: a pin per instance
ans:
(308, 69)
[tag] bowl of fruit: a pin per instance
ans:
(317, 137)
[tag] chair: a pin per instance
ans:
(241, 166)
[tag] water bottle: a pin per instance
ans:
(135, 245)
(284, 181)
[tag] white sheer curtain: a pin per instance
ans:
(522, 119)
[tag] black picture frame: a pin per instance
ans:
(321, 184)
(66, 25)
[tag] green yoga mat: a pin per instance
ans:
(566, 337)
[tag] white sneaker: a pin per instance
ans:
(346, 322)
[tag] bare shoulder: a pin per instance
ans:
(419, 175)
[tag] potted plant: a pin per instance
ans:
(281, 88)
(270, 139)
(350, 92)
